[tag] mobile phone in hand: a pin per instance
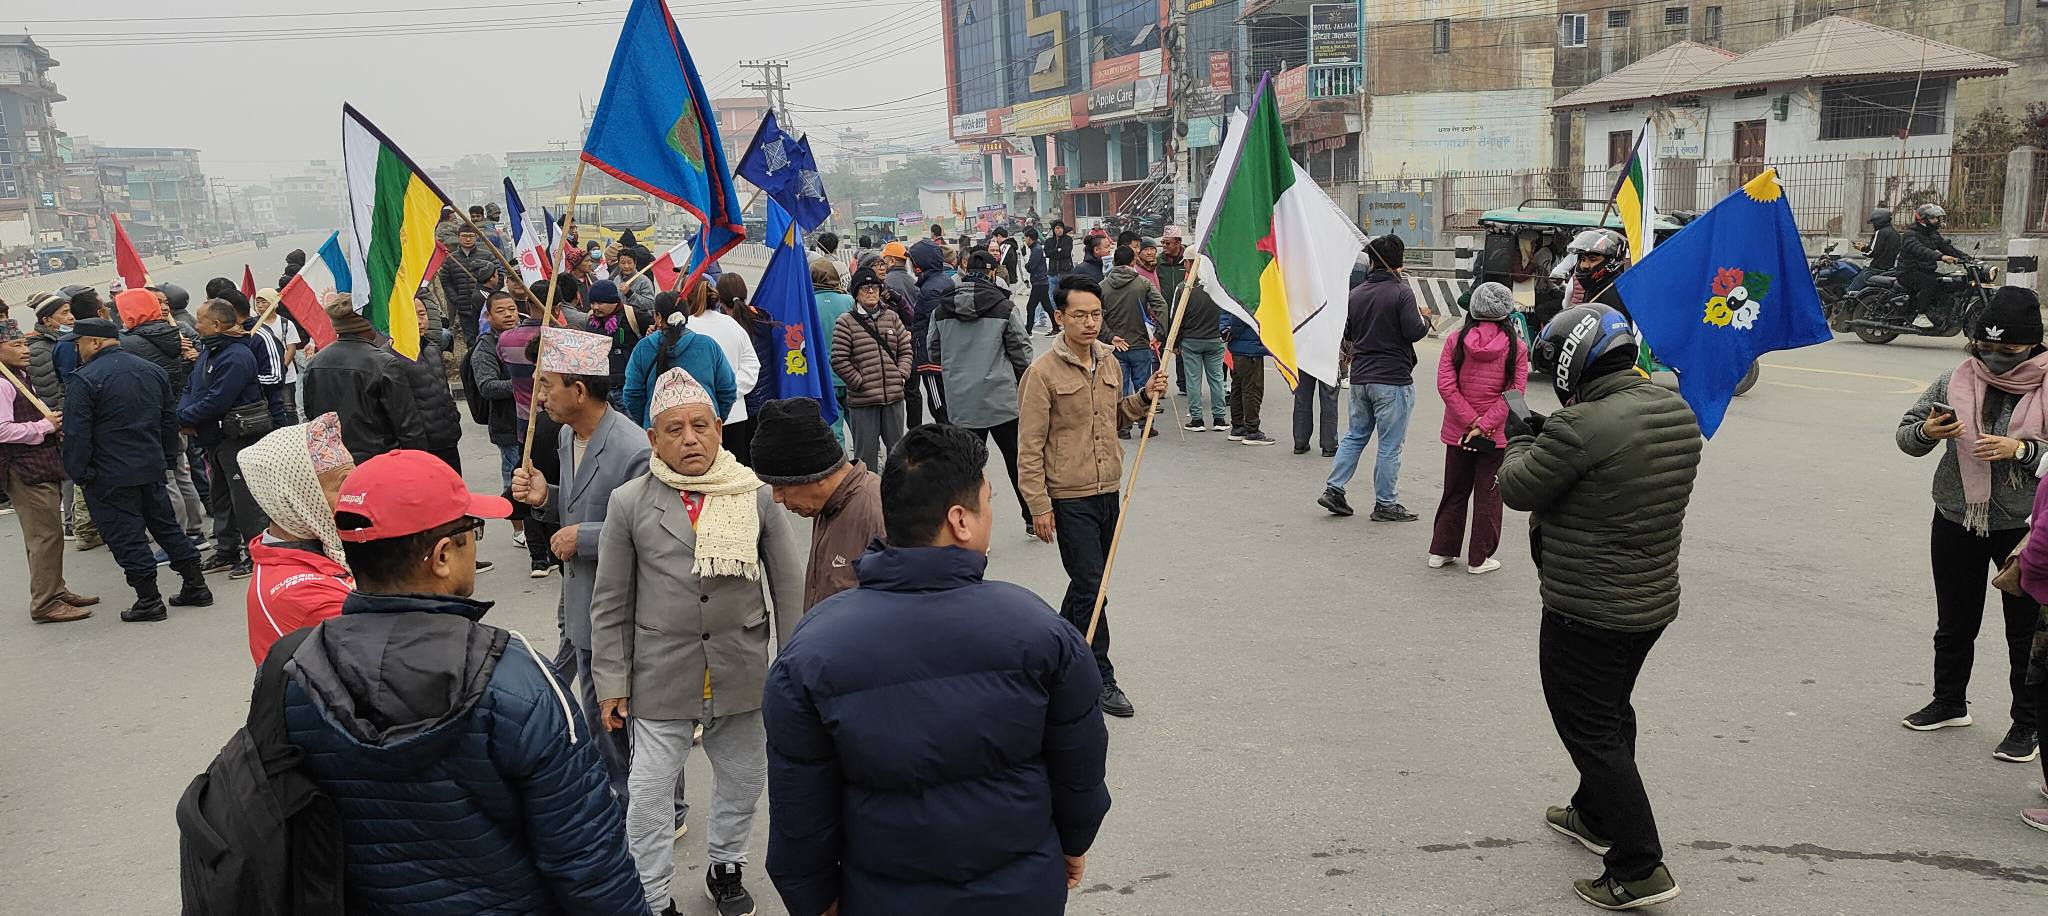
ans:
(1939, 408)
(1516, 404)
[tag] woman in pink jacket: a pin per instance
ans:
(1480, 364)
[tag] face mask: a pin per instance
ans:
(2001, 363)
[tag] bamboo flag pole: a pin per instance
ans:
(547, 314)
(510, 271)
(1180, 311)
(33, 401)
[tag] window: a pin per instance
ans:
(1617, 19)
(1441, 42)
(2012, 12)
(1712, 29)
(1571, 30)
(1620, 145)
(1861, 111)
(1678, 15)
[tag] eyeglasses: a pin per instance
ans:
(468, 524)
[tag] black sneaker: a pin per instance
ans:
(1329, 453)
(540, 569)
(192, 597)
(1937, 715)
(1301, 449)
(484, 566)
(1114, 703)
(1392, 512)
(722, 885)
(1255, 437)
(2021, 745)
(146, 610)
(1123, 432)
(1609, 893)
(243, 569)
(1333, 500)
(1218, 424)
(217, 562)
(1237, 434)
(1194, 425)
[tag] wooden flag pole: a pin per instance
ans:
(1180, 311)
(547, 314)
(681, 274)
(33, 401)
(510, 271)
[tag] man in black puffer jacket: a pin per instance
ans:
(1605, 481)
(933, 288)
(364, 385)
(428, 378)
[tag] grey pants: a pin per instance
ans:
(185, 497)
(738, 748)
(873, 429)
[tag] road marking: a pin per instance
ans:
(1868, 375)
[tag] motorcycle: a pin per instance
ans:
(1832, 274)
(1884, 310)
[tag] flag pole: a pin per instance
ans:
(1180, 311)
(33, 401)
(547, 310)
(502, 262)
(680, 275)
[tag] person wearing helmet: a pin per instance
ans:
(1883, 248)
(1592, 262)
(1605, 481)
(1921, 250)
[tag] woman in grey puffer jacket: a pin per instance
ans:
(1993, 412)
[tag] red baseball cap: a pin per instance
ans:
(406, 492)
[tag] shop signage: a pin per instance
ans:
(972, 124)
(1290, 88)
(1044, 116)
(1333, 34)
(1205, 131)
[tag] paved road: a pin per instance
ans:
(1325, 726)
(191, 270)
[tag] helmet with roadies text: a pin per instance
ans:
(1571, 342)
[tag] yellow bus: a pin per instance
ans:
(605, 217)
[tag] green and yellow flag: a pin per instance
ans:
(393, 208)
(1635, 195)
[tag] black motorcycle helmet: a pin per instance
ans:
(176, 296)
(1880, 218)
(1579, 337)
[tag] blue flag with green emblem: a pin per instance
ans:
(1728, 288)
(654, 130)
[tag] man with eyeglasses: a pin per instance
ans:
(462, 773)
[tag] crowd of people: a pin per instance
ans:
(915, 760)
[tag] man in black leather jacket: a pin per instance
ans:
(365, 386)
(1921, 249)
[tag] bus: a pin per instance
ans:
(604, 217)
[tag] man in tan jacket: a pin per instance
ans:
(801, 461)
(1069, 462)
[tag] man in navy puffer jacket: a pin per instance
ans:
(935, 744)
(464, 782)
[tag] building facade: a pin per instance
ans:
(31, 172)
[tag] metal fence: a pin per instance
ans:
(1813, 186)
(1970, 186)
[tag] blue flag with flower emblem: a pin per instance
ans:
(783, 168)
(802, 366)
(654, 130)
(1728, 288)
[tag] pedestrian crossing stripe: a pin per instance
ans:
(1440, 296)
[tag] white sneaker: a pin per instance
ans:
(1490, 565)
(1437, 562)
(519, 537)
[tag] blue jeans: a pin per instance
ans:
(1203, 359)
(1385, 407)
(508, 461)
(1139, 364)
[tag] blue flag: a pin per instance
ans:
(784, 169)
(654, 130)
(803, 351)
(1728, 288)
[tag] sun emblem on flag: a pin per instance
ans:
(687, 136)
(1738, 298)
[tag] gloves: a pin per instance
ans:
(1529, 424)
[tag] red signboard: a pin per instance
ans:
(1115, 70)
(1219, 71)
(1290, 88)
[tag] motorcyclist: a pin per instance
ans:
(1921, 248)
(1592, 262)
(1883, 249)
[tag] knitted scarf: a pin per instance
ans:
(729, 527)
(2029, 422)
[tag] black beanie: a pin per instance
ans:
(2014, 316)
(792, 444)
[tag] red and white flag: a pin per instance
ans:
(669, 264)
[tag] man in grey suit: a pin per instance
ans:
(696, 567)
(605, 451)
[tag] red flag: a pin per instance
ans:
(303, 302)
(248, 282)
(669, 264)
(127, 262)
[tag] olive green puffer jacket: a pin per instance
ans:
(1606, 483)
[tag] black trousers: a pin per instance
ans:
(1963, 565)
(236, 516)
(927, 394)
(1041, 297)
(1083, 527)
(1006, 442)
(1588, 674)
(1247, 390)
(450, 456)
(1308, 395)
(2041, 702)
(739, 440)
(127, 518)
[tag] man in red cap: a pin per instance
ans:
(463, 774)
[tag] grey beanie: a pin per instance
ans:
(1492, 302)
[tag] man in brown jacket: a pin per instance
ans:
(871, 354)
(801, 461)
(1069, 463)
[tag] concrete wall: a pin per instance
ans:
(1797, 135)
(1428, 133)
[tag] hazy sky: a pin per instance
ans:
(257, 86)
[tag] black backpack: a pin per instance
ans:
(255, 835)
(472, 393)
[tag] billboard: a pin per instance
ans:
(1333, 34)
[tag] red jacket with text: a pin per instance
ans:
(295, 585)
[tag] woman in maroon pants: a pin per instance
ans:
(1484, 361)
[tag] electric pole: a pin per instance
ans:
(772, 85)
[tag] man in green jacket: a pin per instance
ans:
(1605, 480)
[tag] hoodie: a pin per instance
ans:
(978, 336)
(1129, 303)
(933, 285)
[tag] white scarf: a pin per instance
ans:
(729, 527)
